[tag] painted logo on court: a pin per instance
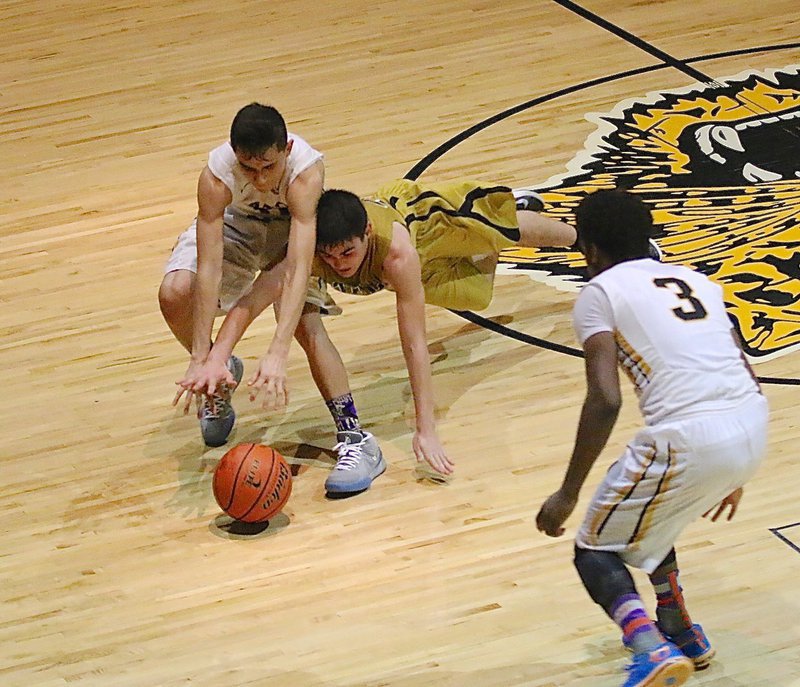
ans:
(719, 166)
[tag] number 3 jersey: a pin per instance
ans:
(674, 338)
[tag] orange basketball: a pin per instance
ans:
(252, 482)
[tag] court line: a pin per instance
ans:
(634, 40)
(451, 143)
(789, 542)
(560, 348)
(674, 62)
(514, 334)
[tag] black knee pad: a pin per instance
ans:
(604, 575)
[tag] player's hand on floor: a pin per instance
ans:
(730, 501)
(270, 381)
(554, 513)
(427, 447)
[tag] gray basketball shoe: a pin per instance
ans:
(216, 422)
(360, 461)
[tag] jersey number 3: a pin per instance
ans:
(693, 310)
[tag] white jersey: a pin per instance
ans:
(249, 201)
(673, 337)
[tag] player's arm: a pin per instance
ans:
(212, 199)
(402, 271)
(263, 292)
(598, 416)
(600, 409)
(202, 376)
(301, 199)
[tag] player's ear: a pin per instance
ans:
(289, 145)
(592, 255)
(368, 230)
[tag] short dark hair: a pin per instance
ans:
(617, 222)
(257, 128)
(341, 216)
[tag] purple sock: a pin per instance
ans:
(344, 413)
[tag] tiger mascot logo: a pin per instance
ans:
(719, 166)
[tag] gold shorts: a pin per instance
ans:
(458, 230)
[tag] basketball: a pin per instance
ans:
(252, 482)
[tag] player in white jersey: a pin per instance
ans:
(705, 431)
(256, 217)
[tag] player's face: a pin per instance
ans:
(345, 258)
(265, 170)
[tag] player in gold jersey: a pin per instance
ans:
(436, 244)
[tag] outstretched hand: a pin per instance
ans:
(270, 378)
(554, 513)
(730, 501)
(202, 379)
(428, 447)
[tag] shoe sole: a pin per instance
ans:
(671, 673)
(700, 662)
(380, 468)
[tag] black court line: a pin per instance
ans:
(666, 58)
(776, 532)
(514, 334)
(567, 350)
(634, 40)
(451, 143)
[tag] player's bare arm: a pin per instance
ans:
(264, 292)
(401, 270)
(598, 416)
(301, 199)
(212, 199)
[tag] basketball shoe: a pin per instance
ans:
(692, 643)
(360, 461)
(217, 417)
(664, 666)
(654, 252)
(528, 199)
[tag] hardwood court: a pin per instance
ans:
(118, 568)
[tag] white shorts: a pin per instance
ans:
(669, 476)
(260, 247)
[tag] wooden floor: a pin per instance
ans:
(117, 567)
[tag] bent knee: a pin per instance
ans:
(175, 290)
